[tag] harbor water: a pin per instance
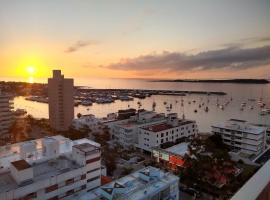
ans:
(193, 105)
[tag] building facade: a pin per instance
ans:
(92, 122)
(241, 136)
(149, 129)
(148, 183)
(6, 114)
(49, 168)
(171, 130)
(125, 132)
(61, 102)
(173, 158)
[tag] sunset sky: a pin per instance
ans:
(135, 39)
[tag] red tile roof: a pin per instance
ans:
(158, 127)
(21, 165)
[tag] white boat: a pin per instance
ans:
(243, 104)
(265, 111)
(125, 98)
(87, 103)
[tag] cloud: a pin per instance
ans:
(233, 58)
(249, 41)
(80, 44)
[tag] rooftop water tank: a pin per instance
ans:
(50, 147)
(27, 148)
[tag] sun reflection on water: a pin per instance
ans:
(31, 79)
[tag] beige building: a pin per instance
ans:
(6, 114)
(61, 103)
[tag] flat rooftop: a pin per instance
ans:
(21, 165)
(165, 126)
(158, 127)
(240, 125)
(132, 186)
(86, 148)
(41, 171)
(179, 149)
(11, 153)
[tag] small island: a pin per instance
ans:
(240, 81)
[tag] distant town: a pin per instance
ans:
(131, 154)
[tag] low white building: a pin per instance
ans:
(168, 131)
(125, 132)
(241, 136)
(92, 122)
(148, 183)
(150, 129)
(49, 168)
(6, 114)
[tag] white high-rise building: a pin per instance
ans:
(6, 114)
(49, 168)
(239, 135)
(61, 102)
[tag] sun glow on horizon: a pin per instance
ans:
(31, 69)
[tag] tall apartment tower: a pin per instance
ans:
(61, 103)
(6, 114)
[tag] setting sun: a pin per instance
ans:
(30, 69)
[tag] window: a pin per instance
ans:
(93, 170)
(162, 134)
(92, 189)
(69, 181)
(70, 192)
(83, 187)
(51, 188)
(53, 198)
(93, 160)
(83, 177)
(92, 179)
(30, 196)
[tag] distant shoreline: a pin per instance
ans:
(240, 81)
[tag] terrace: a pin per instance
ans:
(41, 171)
